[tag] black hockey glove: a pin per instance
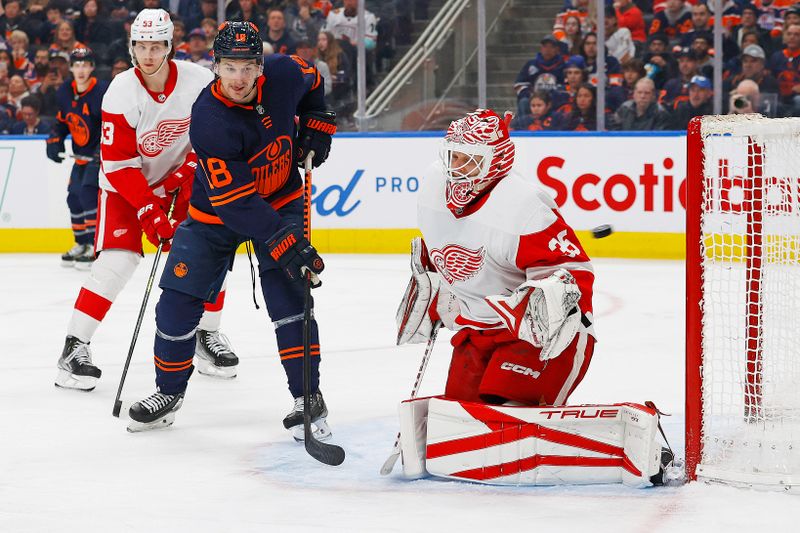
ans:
(55, 146)
(314, 134)
(295, 255)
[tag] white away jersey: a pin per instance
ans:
(147, 130)
(341, 25)
(516, 234)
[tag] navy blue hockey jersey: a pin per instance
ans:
(246, 168)
(80, 115)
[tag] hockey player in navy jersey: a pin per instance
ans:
(79, 114)
(247, 188)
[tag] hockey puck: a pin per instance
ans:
(602, 231)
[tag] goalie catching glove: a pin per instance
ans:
(425, 301)
(542, 312)
(295, 255)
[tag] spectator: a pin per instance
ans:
(19, 50)
(304, 21)
(8, 113)
(12, 19)
(41, 64)
(548, 61)
(65, 40)
(573, 36)
(785, 65)
(702, 48)
(642, 113)
(771, 17)
(343, 23)
(55, 16)
(276, 33)
(541, 117)
(17, 90)
(745, 99)
(632, 71)
(91, 26)
(197, 52)
(31, 123)
(583, 116)
(249, 12)
(579, 9)
(209, 26)
(574, 76)
(749, 23)
(619, 42)
(589, 52)
(120, 64)
(673, 21)
(698, 103)
(677, 89)
(6, 65)
(56, 74)
(208, 10)
(60, 61)
(630, 16)
(700, 22)
(753, 68)
(342, 75)
(306, 52)
(119, 47)
(179, 43)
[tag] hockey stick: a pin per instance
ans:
(388, 466)
(117, 401)
(330, 454)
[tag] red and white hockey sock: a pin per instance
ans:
(110, 273)
(212, 316)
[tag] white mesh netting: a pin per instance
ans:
(750, 227)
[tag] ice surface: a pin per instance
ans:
(228, 465)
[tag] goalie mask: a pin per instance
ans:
(476, 151)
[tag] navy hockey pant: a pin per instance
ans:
(82, 200)
(194, 272)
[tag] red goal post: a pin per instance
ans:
(743, 301)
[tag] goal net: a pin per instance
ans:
(743, 301)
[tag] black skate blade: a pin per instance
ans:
(329, 454)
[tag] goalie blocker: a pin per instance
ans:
(505, 445)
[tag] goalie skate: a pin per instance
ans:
(215, 357)
(319, 414)
(157, 411)
(75, 368)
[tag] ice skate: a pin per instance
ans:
(154, 412)
(319, 413)
(75, 368)
(214, 356)
(68, 258)
(86, 258)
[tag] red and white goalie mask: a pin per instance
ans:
(476, 151)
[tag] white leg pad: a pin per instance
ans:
(569, 445)
(413, 431)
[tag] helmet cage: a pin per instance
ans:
(479, 157)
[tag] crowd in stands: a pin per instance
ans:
(37, 36)
(659, 64)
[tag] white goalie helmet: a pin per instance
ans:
(151, 25)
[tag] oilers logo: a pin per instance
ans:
(272, 166)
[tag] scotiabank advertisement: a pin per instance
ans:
(634, 183)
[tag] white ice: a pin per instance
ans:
(228, 465)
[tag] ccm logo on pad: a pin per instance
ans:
(519, 369)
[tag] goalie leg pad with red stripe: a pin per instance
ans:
(570, 445)
(413, 433)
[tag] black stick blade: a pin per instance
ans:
(117, 408)
(329, 454)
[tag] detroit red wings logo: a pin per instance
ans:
(456, 263)
(163, 136)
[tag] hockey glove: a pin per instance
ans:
(314, 134)
(181, 180)
(156, 225)
(55, 146)
(295, 255)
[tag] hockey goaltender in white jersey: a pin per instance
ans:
(501, 267)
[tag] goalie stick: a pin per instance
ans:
(330, 454)
(149, 287)
(388, 465)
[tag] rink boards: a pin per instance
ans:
(364, 198)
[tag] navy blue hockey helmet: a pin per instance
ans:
(238, 40)
(82, 53)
